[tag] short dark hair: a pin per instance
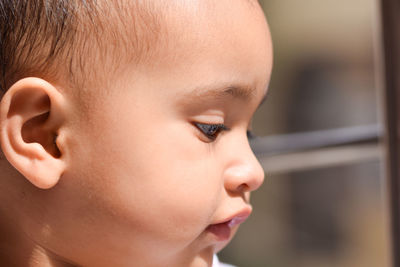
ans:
(51, 38)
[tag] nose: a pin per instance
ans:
(243, 173)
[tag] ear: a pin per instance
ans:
(31, 116)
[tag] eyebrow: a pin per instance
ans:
(204, 94)
(235, 91)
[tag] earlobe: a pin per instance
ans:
(31, 116)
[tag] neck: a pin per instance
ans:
(17, 249)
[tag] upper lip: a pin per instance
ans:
(237, 217)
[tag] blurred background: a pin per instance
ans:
(324, 201)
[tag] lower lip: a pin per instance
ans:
(221, 231)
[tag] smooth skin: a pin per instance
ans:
(136, 181)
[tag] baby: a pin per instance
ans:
(123, 129)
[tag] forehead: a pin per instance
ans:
(230, 34)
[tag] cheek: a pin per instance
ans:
(156, 179)
(171, 172)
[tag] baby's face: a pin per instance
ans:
(160, 174)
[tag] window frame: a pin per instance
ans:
(390, 11)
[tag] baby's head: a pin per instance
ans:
(123, 129)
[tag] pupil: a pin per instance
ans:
(212, 129)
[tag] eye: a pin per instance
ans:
(211, 131)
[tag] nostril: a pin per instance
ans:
(243, 188)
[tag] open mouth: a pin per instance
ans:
(222, 231)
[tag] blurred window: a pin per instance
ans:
(325, 201)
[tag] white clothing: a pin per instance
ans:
(217, 263)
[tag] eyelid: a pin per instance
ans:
(211, 117)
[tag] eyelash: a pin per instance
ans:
(215, 129)
(250, 135)
(211, 131)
